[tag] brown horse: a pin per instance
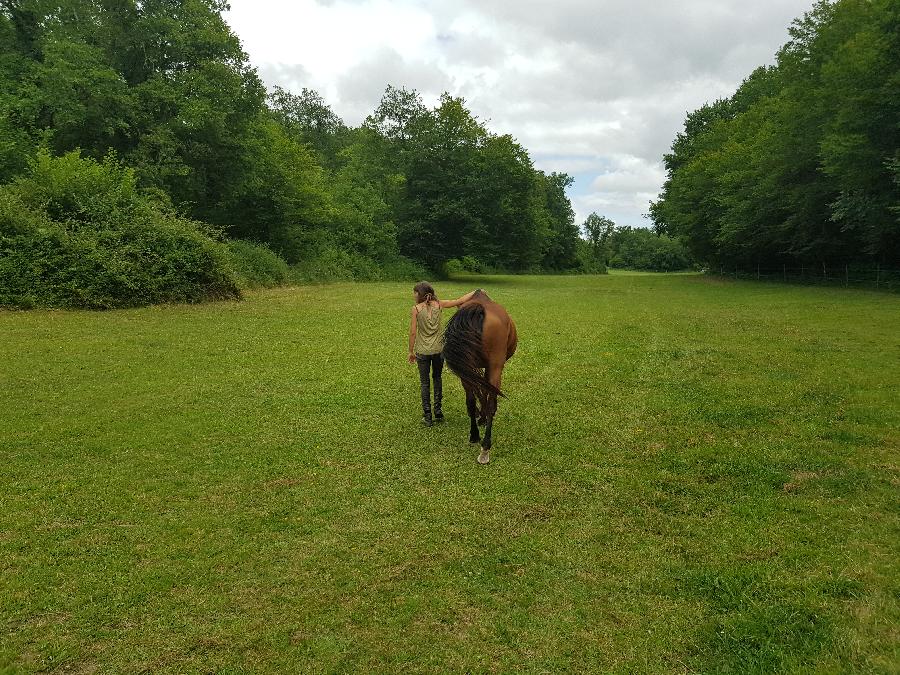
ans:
(478, 341)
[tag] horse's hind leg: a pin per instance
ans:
(472, 409)
(494, 376)
(485, 455)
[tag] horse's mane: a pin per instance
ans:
(463, 350)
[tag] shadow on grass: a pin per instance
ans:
(481, 280)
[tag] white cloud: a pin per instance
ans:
(595, 88)
(629, 175)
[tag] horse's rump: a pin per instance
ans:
(464, 349)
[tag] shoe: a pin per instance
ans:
(426, 421)
(438, 416)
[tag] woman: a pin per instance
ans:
(426, 342)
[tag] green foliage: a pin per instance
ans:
(626, 247)
(797, 165)
(75, 190)
(399, 268)
(472, 264)
(335, 264)
(453, 266)
(363, 221)
(598, 230)
(308, 117)
(588, 261)
(256, 265)
(642, 249)
(561, 247)
(164, 84)
(282, 198)
(166, 87)
(467, 264)
(465, 191)
(76, 233)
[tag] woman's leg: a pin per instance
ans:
(423, 363)
(437, 365)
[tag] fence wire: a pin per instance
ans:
(877, 277)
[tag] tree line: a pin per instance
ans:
(634, 248)
(155, 99)
(802, 164)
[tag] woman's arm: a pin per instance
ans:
(459, 301)
(412, 336)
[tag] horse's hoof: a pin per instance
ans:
(484, 456)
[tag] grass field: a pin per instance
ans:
(689, 475)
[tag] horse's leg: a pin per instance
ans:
(493, 375)
(472, 409)
(481, 407)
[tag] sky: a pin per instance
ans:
(593, 88)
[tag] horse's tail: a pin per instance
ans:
(464, 352)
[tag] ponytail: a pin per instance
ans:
(425, 291)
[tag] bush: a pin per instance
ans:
(452, 266)
(334, 264)
(256, 265)
(641, 249)
(466, 264)
(471, 264)
(76, 233)
(588, 262)
(403, 269)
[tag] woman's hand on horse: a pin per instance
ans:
(456, 303)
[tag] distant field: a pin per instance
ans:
(689, 475)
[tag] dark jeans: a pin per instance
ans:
(434, 362)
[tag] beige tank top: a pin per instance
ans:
(429, 338)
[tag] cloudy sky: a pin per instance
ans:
(597, 89)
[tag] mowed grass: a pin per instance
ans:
(688, 475)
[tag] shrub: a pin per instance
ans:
(334, 264)
(328, 264)
(403, 269)
(453, 266)
(588, 260)
(76, 233)
(467, 263)
(471, 264)
(256, 265)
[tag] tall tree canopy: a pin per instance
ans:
(166, 87)
(801, 163)
(163, 83)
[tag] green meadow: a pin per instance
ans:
(688, 475)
